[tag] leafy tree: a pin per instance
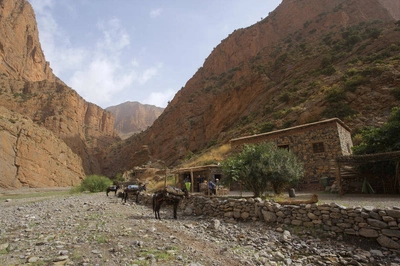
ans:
(383, 139)
(257, 167)
(284, 169)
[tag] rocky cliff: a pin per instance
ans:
(20, 50)
(306, 61)
(133, 117)
(32, 156)
(28, 87)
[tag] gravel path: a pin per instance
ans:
(92, 229)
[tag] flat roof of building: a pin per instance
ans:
(195, 168)
(327, 121)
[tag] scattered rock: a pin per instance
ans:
(103, 231)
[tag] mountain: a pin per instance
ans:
(306, 61)
(133, 117)
(50, 112)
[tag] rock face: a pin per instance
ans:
(20, 50)
(28, 87)
(278, 73)
(133, 117)
(32, 156)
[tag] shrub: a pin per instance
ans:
(94, 183)
(396, 92)
(328, 71)
(335, 95)
(354, 82)
(373, 33)
(267, 127)
(326, 61)
(340, 110)
(285, 97)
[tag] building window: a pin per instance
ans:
(286, 147)
(318, 147)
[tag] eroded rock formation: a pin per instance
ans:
(133, 117)
(32, 156)
(29, 87)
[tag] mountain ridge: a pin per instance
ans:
(275, 74)
(306, 61)
(133, 117)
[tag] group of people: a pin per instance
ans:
(212, 187)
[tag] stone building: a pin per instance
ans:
(315, 144)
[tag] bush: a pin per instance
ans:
(396, 92)
(285, 97)
(328, 71)
(267, 127)
(339, 110)
(354, 82)
(94, 183)
(335, 95)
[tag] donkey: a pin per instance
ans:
(112, 188)
(134, 190)
(169, 195)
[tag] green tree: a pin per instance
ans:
(257, 167)
(383, 139)
(284, 169)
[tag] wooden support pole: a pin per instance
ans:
(191, 180)
(339, 179)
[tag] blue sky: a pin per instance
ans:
(113, 51)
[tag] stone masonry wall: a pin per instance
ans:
(380, 224)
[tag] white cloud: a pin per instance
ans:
(96, 72)
(115, 37)
(105, 76)
(54, 41)
(160, 99)
(155, 12)
(41, 5)
(149, 73)
(100, 80)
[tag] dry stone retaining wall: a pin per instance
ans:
(369, 222)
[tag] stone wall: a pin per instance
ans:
(380, 224)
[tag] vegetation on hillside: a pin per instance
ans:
(302, 71)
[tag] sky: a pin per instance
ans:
(114, 51)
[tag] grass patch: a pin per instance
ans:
(214, 155)
(101, 239)
(161, 256)
(35, 196)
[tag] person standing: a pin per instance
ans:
(188, 184)
(212, 188)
